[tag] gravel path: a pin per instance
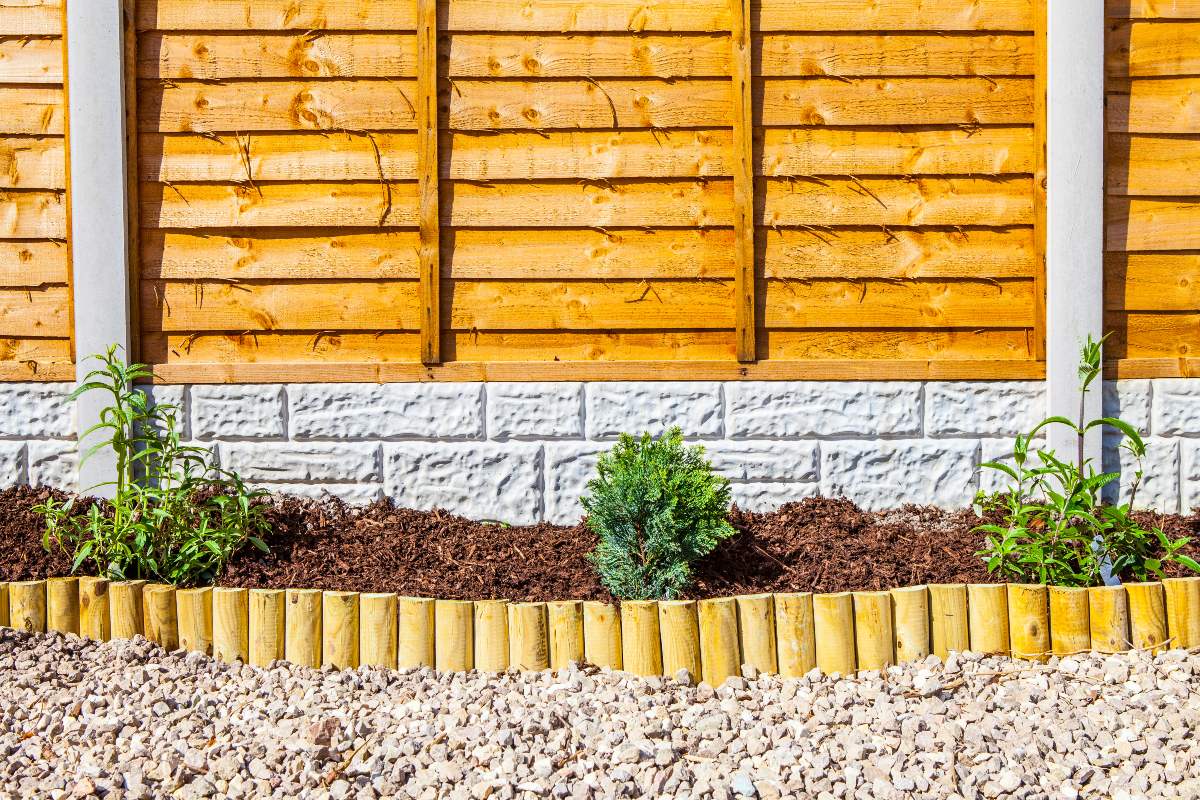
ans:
(126, 720)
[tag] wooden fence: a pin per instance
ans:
(787, 634)
(460, 189)
(605, 189)
(1152, 295)
(35, 296)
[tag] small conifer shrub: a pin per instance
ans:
(657, 506)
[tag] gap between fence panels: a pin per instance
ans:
(709, 640)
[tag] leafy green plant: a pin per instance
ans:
(1056, 529)
(175, 516)
(656, 506)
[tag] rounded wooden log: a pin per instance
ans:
(680, 632)
(987, 617)
(565, 619)
(146, 589)
(455, 647)
(756, 629)
(720, 648)
(194, 607)
(302, 627)
(528, 637)
(339, 629)
(161, 617)
(3, 605)
(1183, 611)
(833, 626)
(27, 606)
(1108, 619)
(125, 613)
(910, 622)
(94, 622)
(641, 649)
(948, 631)
(415, 633)
(1147, 616)
(874, 636)
(266, 626)
(377, 629)
(1029, 620)
(62, 605)
(794, 637)
(231, 625)
(1070, 632)
(602, 635)
(491, 635)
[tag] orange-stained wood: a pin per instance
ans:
(744, 284)
(427, 177)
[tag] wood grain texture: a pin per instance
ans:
(32, 215)
(428, 217)
(1154, 165)
(894, 101)
(31, 109)
(1145, 49)
(30, 60)
(525, 155)
(600, 15)
(32, 263)
(1142, 223)
(1153, 9)
(222, 56)
(1153, 282)
(1154, 105)
(745, 287)
(31, 17)
(32, 162)
(35, 312)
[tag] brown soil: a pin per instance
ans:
(22, 557)
(817, 544)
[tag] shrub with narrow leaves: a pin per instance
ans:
(656, 506)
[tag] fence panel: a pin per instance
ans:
(1152, 299)
(587, 191)
(35, 295)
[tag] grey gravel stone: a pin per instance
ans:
(126, 721)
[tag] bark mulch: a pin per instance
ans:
(817, 544)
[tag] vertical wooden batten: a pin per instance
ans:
(427, 178)
(741, 61)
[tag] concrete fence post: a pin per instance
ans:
(1074, 206)
(99, 202)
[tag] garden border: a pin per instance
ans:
(788, 634)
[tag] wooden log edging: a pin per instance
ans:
(790, 634)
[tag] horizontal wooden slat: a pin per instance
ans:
(1152, 224)
(1152, 49)
(32, 215)
(895, 101)
(42, 312)
(1152, 282)
(584, 154)
(378, 104)
(31, 17)
(588, 305)
(483, 346)
(685, 203)
(32, 162)
(365, 55)
(32, 263)
(597, 15)
(196, 306)
(271, 105)
(1146, 335)
(1143, 164)
(30, 60)
(1154, 105)
(33, 370)
(1133, 368)
(886, 201)
(31, 109)
(39, 351)
(616, 253)
(891, 304)
(1153, 9)
(898, 253)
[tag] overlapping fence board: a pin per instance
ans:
(35, 310)
(585, 181)
(1153, 188)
